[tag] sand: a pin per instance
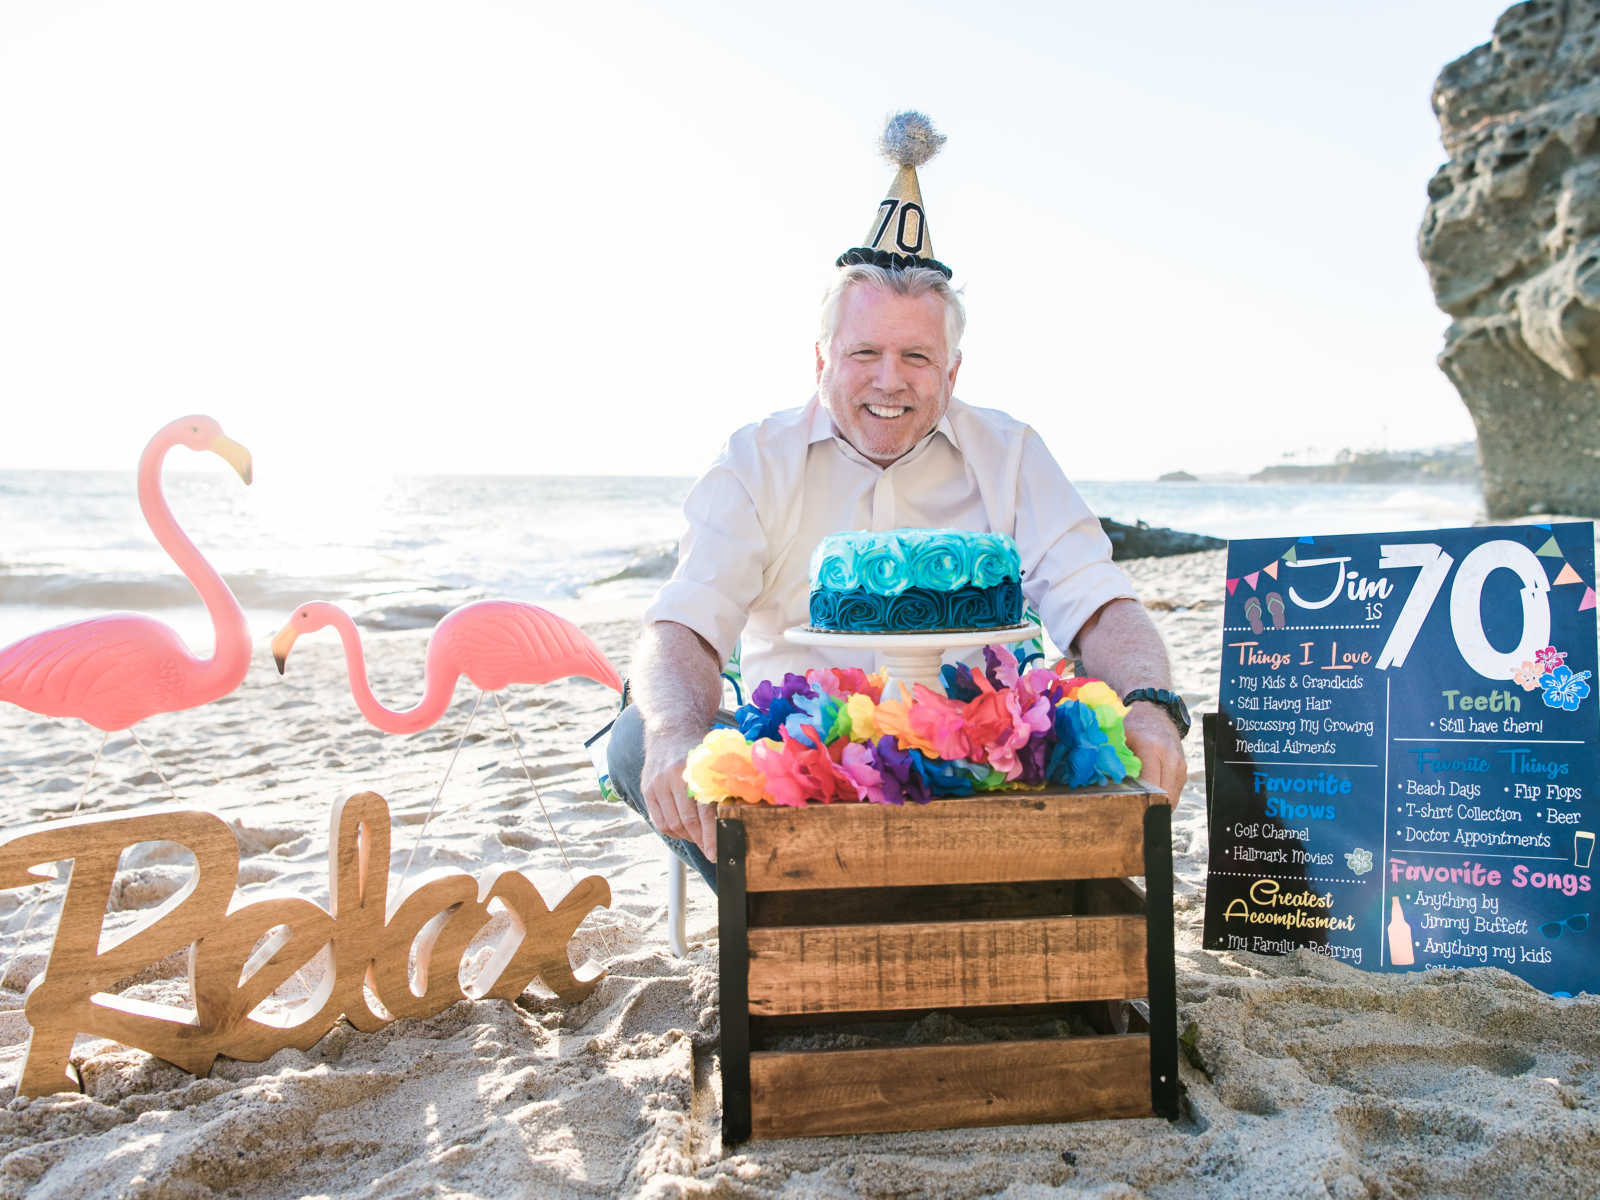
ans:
(1308, 1077)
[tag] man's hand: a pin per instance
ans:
(1154, 738)
(666, 796)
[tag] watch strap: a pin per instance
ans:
(1167, 700)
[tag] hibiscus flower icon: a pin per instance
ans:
(1563, 689)
(1549, 658)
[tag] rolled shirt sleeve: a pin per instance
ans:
(1067, 572)
(720, 562)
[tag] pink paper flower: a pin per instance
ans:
(787, 781)
(856, 764)
(939, 721)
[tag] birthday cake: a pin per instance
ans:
(915, 581)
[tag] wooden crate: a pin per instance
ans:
(1009, 906)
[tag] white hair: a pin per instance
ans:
(913, 282)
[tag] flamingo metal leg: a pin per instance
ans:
(676, 875)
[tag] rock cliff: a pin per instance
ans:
(1511, 241)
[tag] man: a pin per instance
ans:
(883, 444)
(886, 373)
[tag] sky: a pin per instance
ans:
(499, 236)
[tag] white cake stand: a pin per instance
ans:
(912, 657)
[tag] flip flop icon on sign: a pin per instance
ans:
(1275, 607)
(1252, 613)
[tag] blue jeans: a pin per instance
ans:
(625, 762)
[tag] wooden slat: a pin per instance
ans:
(808, 1093)
(999, 838)
(1018, 1021)
(845, 968)
(943, 902)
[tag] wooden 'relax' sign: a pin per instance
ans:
(239, 956)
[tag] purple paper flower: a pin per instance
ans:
(901, 779)
(767, 692)
(1000, 665)
(1033, 758)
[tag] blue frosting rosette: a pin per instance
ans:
(993, 562)
(882, 566)
(832, 571)
(940, 563)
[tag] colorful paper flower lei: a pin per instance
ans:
(833, 736)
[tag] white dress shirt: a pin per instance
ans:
(782, 484)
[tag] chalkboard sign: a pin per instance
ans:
(1405, 763)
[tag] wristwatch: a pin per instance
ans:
(1170, 701)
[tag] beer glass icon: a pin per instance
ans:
(1582, 848)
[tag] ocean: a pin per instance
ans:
(402, 551)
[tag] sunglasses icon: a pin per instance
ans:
(1578, 922)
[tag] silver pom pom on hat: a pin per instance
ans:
(898, 237)
(909, 139)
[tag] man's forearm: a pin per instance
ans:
(676, 681)
(1120, 644)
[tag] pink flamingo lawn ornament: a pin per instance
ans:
(494, 643)
(116, 670)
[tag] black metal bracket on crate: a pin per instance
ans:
(1160, 965)
(733, 965)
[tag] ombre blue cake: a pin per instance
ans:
(915, 581)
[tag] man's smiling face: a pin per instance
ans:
(887, 375)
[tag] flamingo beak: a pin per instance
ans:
(235, 455)
(281, 642)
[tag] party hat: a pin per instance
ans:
(898, 237)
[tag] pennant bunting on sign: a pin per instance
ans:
(1290, 555)
(1232, 583)
(1308, 541)
(1567, 575)
(1251, 579)
(1549, 549)
(1271, 568)
(1542, 524)
(1588, 600)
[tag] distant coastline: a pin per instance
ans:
(1442, 464)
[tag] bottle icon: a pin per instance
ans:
(1400, 938)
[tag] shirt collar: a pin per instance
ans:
(820, 427)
